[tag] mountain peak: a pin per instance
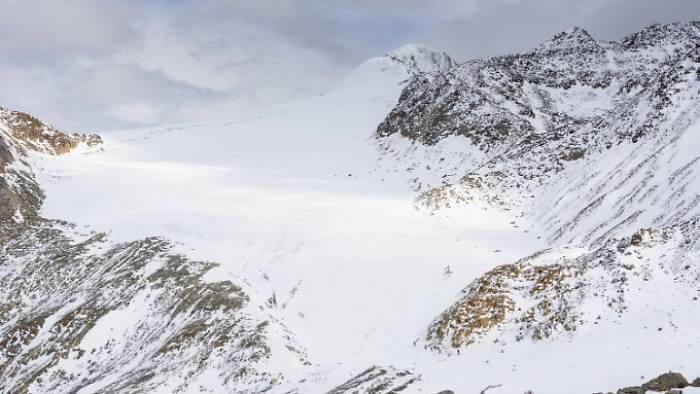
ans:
(398, 65)
(669, 35)
(420, 58)
(574, 37)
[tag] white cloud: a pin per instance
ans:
(138, 113)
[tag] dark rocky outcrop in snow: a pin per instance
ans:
(556, 292)
(378, 380)
(667, 381)
(670, 383)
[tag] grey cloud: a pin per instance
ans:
(45, 30)
(501, 27)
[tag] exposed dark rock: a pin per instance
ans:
(667, 381)
(573, 154)
(631, 390)
(378, 380)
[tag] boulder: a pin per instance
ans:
(667, 381)
(631, 390)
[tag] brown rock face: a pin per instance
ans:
(490, 301)
(20, 133)
(36, 135)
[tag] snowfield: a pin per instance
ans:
(290, 200)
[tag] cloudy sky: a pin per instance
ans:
(89, 65)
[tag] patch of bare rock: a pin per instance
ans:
(669, 383)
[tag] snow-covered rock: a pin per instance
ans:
(397, 66)
(419, 58)
(589, 140)
(576, 39)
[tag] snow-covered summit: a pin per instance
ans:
(667, 36)
(575, 37)
(420, 58)
(397, 66)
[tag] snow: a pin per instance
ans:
(396, 66)
(289, 198)
(420, 58)
(575, 37)
(289, 201)
(583, 101)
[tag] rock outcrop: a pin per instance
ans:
(533, 300)
(378, 380)
(669, 383)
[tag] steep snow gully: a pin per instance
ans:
(523, 222)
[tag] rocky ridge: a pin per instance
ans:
(62, 293)
(586, 139)
(542, 118)
(378, 380)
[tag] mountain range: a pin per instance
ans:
(513, 224)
